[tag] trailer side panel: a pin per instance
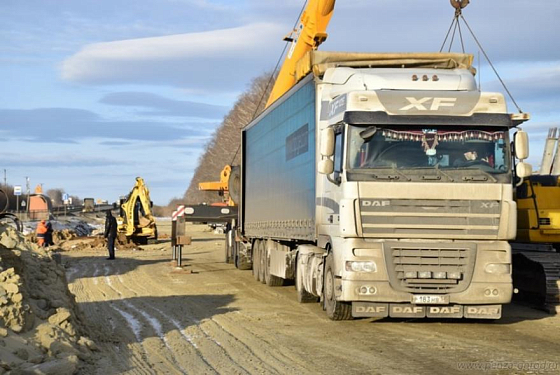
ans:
(279, 163)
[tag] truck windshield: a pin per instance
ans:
(417, 151)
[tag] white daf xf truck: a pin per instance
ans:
(383, 185)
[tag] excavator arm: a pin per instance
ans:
(310, 33)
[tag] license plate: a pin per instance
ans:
(427, 299)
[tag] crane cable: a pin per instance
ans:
(459, 5)
(270, 79)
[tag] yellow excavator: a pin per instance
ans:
(536, 260)
(136, 222)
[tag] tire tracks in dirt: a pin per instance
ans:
(231, 335)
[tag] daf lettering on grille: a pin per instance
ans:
(376, 203)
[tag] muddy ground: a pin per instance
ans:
(148, 318)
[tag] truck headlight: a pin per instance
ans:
(361, 266)
(498, 268)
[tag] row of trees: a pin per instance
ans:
(224, 147)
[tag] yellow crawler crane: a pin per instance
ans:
(536, 271)
(309, 34)
(136, 222)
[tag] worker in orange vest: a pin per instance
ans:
(41, 233)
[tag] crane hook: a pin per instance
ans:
(459, 4)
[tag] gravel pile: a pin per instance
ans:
(41, 331)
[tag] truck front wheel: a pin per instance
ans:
(336, 310)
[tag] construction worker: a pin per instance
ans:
(49, 235)
(41, 233)
(110, 234)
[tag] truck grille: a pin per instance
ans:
(433, 218)
(430, 268)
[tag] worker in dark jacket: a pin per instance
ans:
(110, 234)
(49, 235)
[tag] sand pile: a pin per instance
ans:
(40, 327)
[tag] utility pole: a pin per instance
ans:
(5, 179)
(28, 193)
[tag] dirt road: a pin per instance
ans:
(148, 319)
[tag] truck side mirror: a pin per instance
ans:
(327, 142)
(326, 166)
(521, 145)
(523, 169)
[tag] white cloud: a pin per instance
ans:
(174, 59)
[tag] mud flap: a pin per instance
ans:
(403, 310)
(370, 310)
(483, 312)
(451, 311)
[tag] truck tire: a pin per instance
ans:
(256, 260)
(226, 250)
(270, 280)
(228, 256)
(262, 263)
(303, 296)
(241, 261)
(336, 310)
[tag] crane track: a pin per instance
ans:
(537, 277)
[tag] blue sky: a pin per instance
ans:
(97, 92)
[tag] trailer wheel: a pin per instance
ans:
(256, 260)
(227, 249)
(262, 261)
(336, 310)
(271, 280)
(303, 296)
(241, 260)
(236, 259)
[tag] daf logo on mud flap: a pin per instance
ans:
(407, 309)
(490, 204)
(428, 103)
(376, 203)
(371, 309)
(445, 309)
(473, 310)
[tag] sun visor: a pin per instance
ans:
(319, 61)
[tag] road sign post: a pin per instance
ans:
(65, 201)
(17, 193)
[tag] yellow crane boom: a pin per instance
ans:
(310, 33)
